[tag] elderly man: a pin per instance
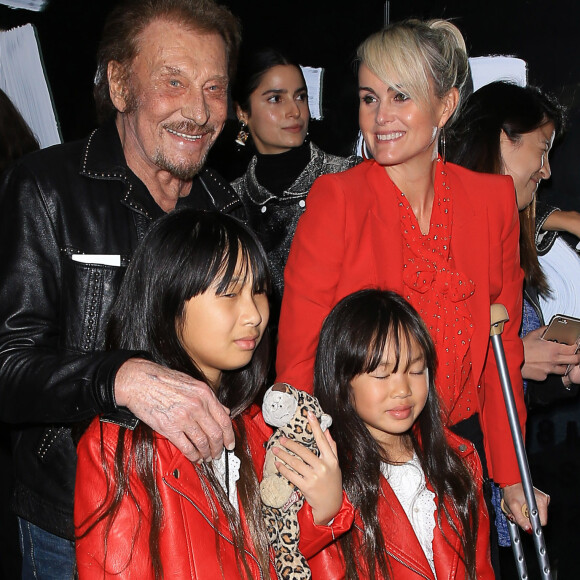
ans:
(70, 219)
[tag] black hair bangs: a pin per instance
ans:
(249, 262)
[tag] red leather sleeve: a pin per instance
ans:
(314, 538)
(127, 551)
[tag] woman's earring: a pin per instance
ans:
(443, 144)
(243, 134)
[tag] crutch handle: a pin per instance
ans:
(499, 315)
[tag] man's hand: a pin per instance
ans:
(184, 410)
(543, 357)
(514, 500)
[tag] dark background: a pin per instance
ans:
(325, 33)
(322, 33)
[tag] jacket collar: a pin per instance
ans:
(103, 158)
(183, 477)
(402, 544)
(299, 189)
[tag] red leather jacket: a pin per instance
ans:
(406, 557)
(187, 542)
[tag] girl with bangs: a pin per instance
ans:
(416, 487)
(194, 299)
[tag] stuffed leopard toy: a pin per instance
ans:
(286, 408)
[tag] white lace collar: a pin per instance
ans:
(227, 472)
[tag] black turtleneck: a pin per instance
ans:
(277, 172)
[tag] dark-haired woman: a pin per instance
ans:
(508, 129)
(416, 487)
(271, 100)
(195, 299)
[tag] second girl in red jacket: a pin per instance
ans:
(195, 299)
(415, 486)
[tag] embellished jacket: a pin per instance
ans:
(187, 541)
(274, 217)
(76, 198)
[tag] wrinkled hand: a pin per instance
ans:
(318, 478)
(514, 500)
(184, 410)
(543, 357)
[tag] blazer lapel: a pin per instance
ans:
(385, 224)
(470, 250)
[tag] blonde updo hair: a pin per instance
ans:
(412, 55)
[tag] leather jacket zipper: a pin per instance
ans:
(401, 561)
(211, 524)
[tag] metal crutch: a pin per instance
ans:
(499, 316)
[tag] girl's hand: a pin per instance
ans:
(543, 357)
(318, 478)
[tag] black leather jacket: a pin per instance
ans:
(77, 198)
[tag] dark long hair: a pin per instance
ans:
(182, 256)
(16, 138)
(353, 339)
(252, 68)
(474, 142)
(126, 22)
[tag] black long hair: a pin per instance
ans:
(183, 254)
(353, 339)
(251, 69)
(474, 142)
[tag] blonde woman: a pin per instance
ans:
(443, 237)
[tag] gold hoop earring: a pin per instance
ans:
(243, 135)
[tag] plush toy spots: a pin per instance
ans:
(287, 409)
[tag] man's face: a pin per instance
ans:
(174, 101)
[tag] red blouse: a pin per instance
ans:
(438, 292)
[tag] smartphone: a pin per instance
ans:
(564, 330)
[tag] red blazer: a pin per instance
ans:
(406, 557)
(349, 238)
(187, 543)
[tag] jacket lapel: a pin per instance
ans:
(385, 229)
(400, 539)
(182, 477)
(470, 250)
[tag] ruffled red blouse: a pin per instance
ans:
(438, 292)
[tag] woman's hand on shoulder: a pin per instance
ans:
(543, 357)
(319, 478)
